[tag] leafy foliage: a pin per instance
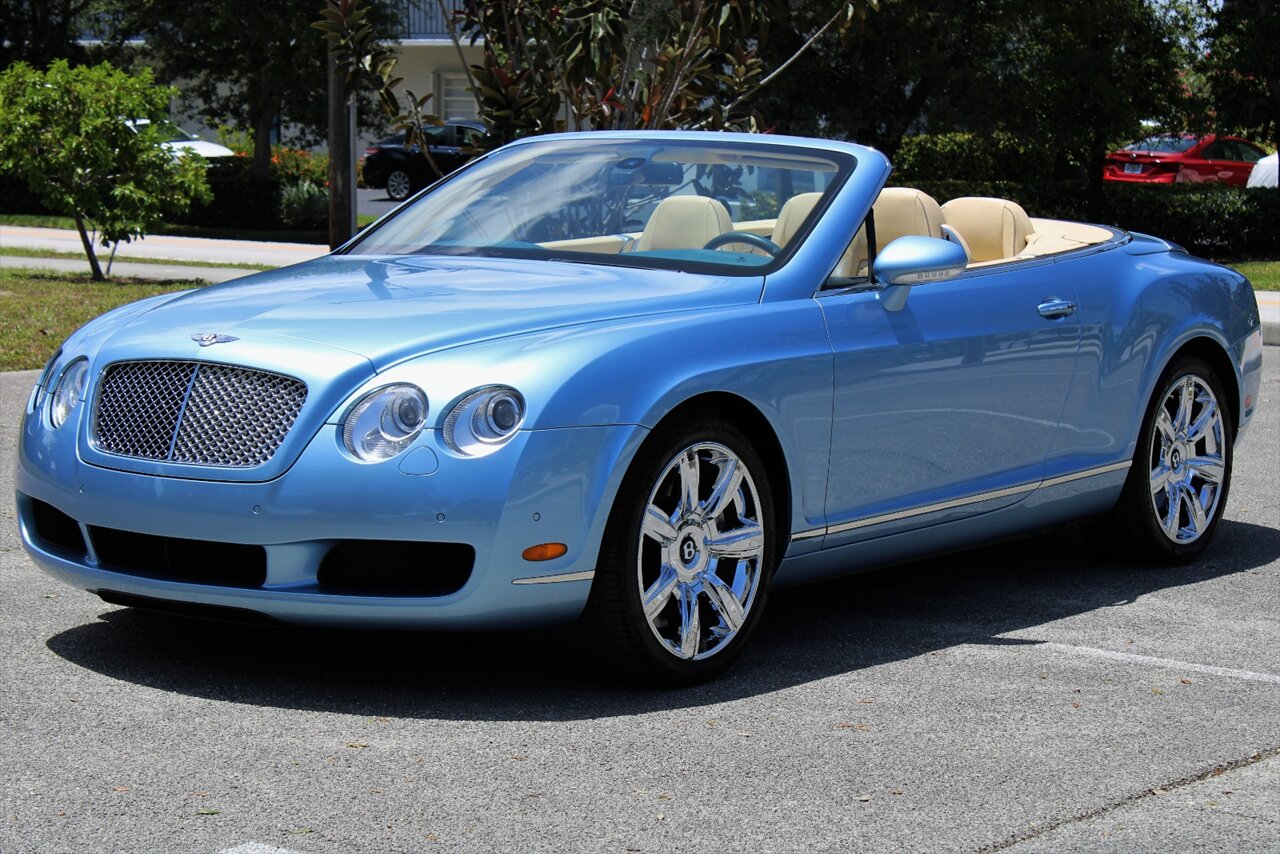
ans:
(1244, 67)
(65, 132)
(999, 156)
(615, 65)
(245, 62)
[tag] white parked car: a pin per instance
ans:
(178, 140)
(1264, 172)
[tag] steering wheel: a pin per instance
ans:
(747, 237)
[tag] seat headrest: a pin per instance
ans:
(993, 228)
(793, 215)
(900, 211)
(684, 222)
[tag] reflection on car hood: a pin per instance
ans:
(387, 309)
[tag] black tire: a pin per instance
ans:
(399, 185)
(622, 636)
(1138, 518)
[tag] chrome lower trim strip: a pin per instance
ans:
(555, 579)
(1067, 478)
(958, 502)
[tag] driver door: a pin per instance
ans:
(946, 408)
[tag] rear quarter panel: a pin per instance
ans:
(1140, 303)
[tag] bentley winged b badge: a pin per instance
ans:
(207, 339)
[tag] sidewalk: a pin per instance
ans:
(1269, 310)
(200, 249)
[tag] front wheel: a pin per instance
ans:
(1177, 489)
(687, 557)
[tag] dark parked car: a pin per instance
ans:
(403, 171)
(1170, 158)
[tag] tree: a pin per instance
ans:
(40, 31)
(622, 63)
(65, 132)
(905, 68)
(245, 62)
(1244, 67)
(1084, 75)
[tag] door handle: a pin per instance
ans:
(1055, 307)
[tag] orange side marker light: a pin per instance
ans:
(545, 551)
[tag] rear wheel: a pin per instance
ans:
(1177, 488)
(687, 558)
(399, 185)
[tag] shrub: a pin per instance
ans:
(304, 205)
(972, 157)
(238, 201)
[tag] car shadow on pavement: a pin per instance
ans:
(809, 633)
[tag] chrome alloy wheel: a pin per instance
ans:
(1187, 464)
(701, 552)
(399, 185)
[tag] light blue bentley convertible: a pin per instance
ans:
(637, 379)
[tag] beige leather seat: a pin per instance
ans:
(993, 228)
(684, 222)
(899, 212)
(793, 215)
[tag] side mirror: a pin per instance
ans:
(913, 260)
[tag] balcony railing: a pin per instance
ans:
(424, 20)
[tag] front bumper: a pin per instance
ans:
(545, 486)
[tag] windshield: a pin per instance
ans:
(630, 202)
(1171, 144)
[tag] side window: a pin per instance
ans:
(1248, 153)
(1217, 151)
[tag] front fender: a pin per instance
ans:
(774, 356)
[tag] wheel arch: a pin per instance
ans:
(1212, 352)
(747, 417)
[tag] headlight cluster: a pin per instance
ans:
(385, 422)
(42, 383)
(69, 391)
(484, 421)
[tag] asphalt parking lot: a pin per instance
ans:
(1034, 696)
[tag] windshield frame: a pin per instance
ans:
(844, 161)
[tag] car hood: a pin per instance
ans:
(390, 308)
(205, 149)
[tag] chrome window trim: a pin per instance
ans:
(925, 509)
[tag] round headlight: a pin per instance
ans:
(385, 422)
(69, 391)
(484, 420)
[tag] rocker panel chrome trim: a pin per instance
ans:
(958, 502)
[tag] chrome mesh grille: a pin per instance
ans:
(194, 412)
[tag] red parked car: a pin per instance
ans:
(1166, 158)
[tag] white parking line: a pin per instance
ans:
(1164, 662)
(257, 848)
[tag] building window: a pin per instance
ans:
(455, 101)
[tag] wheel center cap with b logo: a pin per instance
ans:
(688, 551)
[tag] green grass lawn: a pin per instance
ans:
(39, 309)
(1265, 275)
(19, 252)
(285, 235)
